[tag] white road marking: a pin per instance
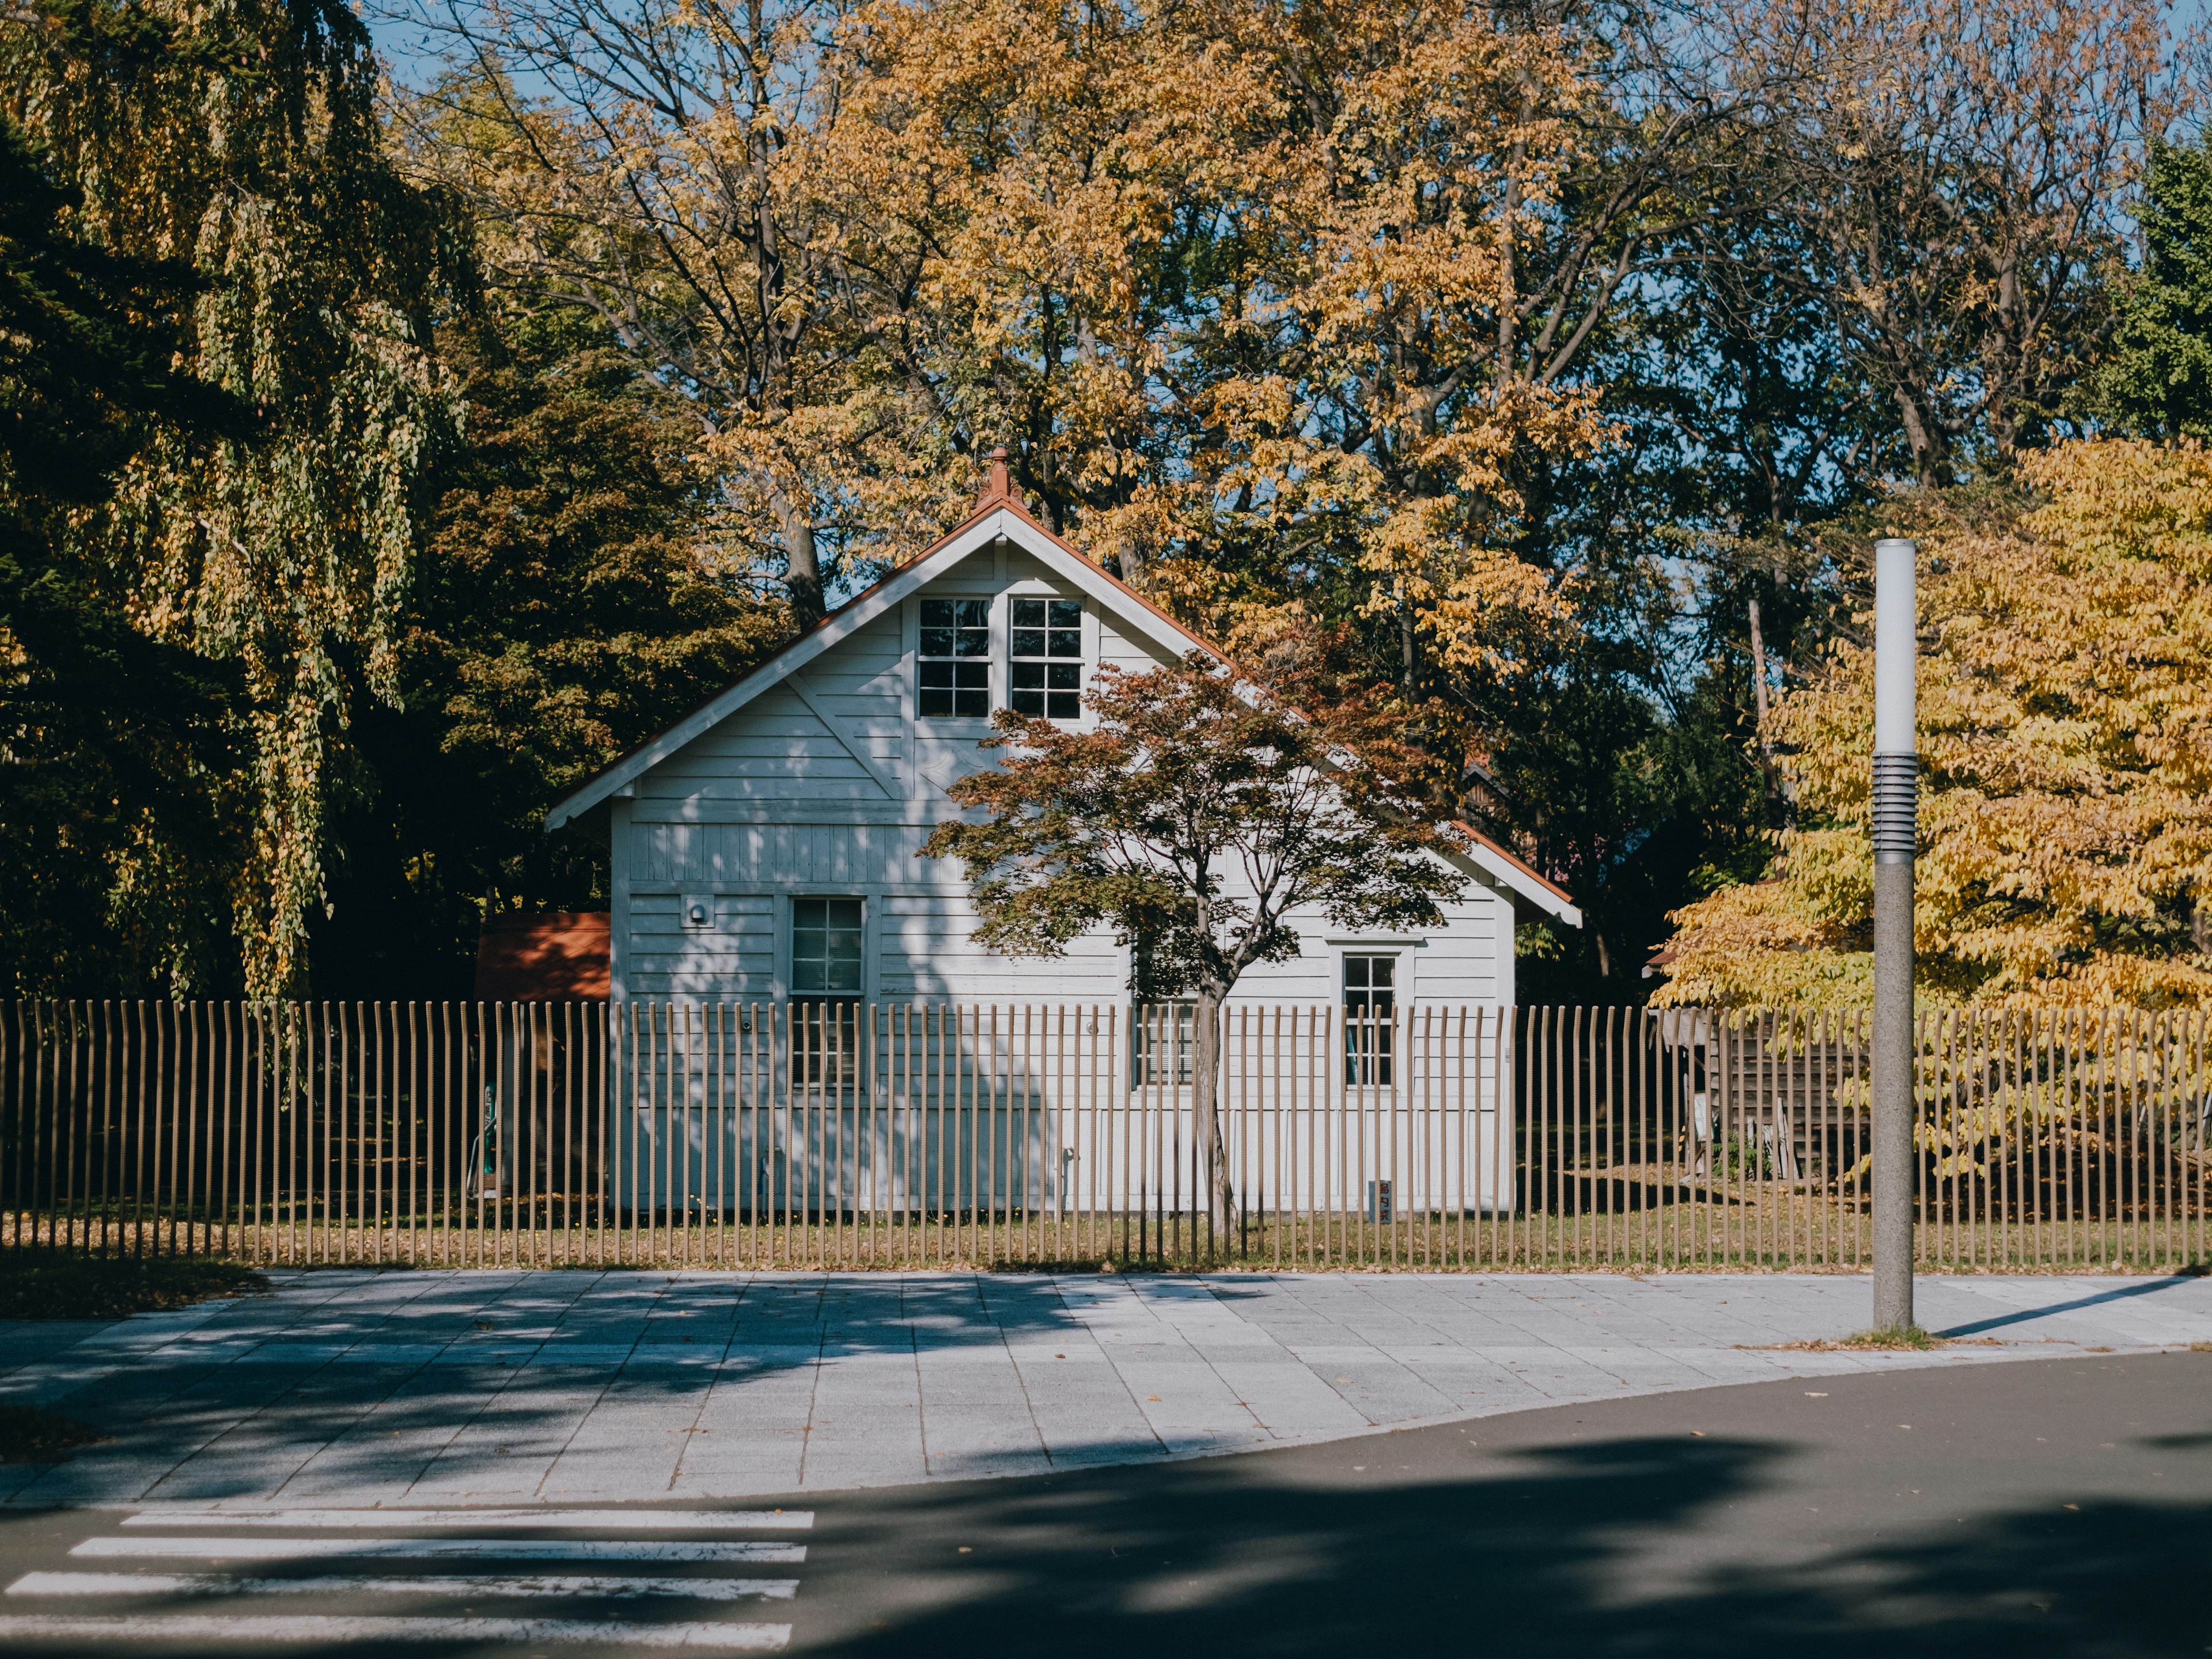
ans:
(505, 1549)
(597, 1520)
(223, 1583)
(318, 1630)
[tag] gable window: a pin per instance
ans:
(1045, 657)
(955, 660)
(1370, 1003)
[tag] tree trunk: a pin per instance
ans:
(1758, 696)
(802, 567)
(1205, 1113)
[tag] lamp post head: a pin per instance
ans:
(1896, 645)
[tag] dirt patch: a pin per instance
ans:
(1911, 1342)
(37, 1286)
(31, 1434)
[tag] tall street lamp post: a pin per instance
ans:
(1896, 832)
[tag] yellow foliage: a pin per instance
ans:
(1223, 276)
(2065, 696)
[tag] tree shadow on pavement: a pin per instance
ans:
(1598, 1549)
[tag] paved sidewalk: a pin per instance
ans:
(418, 1388)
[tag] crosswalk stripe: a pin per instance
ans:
(509, 1549)
(598, 1520)
(223, 1583)
(319, 1629)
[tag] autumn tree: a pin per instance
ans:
(1195, 813)
(2066, 742)
(667, 172)
(1952, 175)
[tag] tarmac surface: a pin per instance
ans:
(432, 1388)
(2056, 1508)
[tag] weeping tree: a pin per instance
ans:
(237, 142)
(1196, 813)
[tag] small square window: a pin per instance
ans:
(1045, 644)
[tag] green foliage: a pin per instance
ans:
(2157, 381)
(567, 608)
(241, 139)
(110, 739)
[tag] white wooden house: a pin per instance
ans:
(764, 855)
(765, 846)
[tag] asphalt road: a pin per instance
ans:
(2053, 1507)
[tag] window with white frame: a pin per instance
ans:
(1044, 653)
(1370, 1004)
(1165, 1033)
(826, 958)
(954, 660)
(825, 948)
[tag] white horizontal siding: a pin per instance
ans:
(731, 958)
(758, 857)
(772, 802)
(928, 957)
(776, 747)
(1130, 654)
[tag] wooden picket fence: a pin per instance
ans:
(837, 1136)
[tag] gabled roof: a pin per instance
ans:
(999, 515)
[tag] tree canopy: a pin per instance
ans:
(2066, 743)
(1558, 358)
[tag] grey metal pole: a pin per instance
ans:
(1896, 835)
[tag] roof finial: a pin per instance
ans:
(996, 488)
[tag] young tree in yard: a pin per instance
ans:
(1195, 814)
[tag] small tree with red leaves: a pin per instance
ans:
(1194, 814)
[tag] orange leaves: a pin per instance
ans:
(2066, 740)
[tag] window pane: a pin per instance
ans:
(952, 690)
(1030, 613)
(1028, 687)
(1067, 633)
